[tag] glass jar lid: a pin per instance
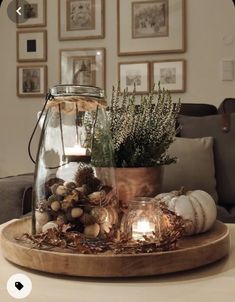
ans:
(77, 90)
(80, 97)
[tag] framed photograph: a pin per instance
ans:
(134, 74)
(81, 19)
(170, 74)
(32, 46)
(150, 26)
(33, 13)
(31, 80)
(85, 66)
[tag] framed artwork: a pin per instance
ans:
(170, 74)
(150, 26)
(134, 74)
(81, 19)
(85, 66)
(31, 80)
(33, 13)
(32, 46)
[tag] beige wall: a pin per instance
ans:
(210, 26)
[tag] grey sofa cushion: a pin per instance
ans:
(12, 191)
(194, 168)
(224, 150)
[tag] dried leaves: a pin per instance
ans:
(65, 239)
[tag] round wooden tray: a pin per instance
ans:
(192, 252)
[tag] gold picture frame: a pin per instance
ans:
(31, 81)
(81, 19)
(151, 27)
(83, 66)
(33, 14)
(31, 45)
(134, 75)
(170, 73)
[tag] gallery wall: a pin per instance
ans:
(210, 38)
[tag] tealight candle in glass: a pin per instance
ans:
(141, 221)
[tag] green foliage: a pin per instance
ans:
(141, 133)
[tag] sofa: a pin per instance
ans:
(195, 121)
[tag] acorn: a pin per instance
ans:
(76, 212)
(84, 190)
(61, 190)
(61, 219)
(92, 231)
(55, 206)
(70, 185)
(49, 225)
(54, 188)
(97, 197)
(87, 219)
(55, 197)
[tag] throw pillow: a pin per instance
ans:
(224, 149)
(194, 168)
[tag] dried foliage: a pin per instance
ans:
(64, 239)
(141, 134)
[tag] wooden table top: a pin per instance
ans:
(215, 283)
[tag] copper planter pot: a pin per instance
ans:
(133, 182)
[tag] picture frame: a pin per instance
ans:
(81, 19)
(31, 81)
(171, 74)
(32, 46)
(134, 75)
(83, 66)
(150, 27)
(33, 13)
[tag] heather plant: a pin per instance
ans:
(141, 133)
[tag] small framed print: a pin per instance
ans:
(150, 26)
(32, 46)
(33, 13)
(170, 74)
(81, 19)
(83, 67)
(31, 80)
(134, 75)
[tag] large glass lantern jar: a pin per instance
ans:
(72, 183)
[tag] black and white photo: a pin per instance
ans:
(150, 19)
(171, 75)
(31, 80)
(81, 19)
(83, 66)
(33, 13)
(80, 14)
(134, 75)
(84, 71)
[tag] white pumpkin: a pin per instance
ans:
(198, 207)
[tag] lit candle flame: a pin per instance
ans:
(142, 228)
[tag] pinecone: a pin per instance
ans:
(83, 176)
(87, 219)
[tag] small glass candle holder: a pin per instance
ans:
(141, 221)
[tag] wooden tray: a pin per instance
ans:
(193, 252)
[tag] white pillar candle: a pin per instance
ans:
(76, 150)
